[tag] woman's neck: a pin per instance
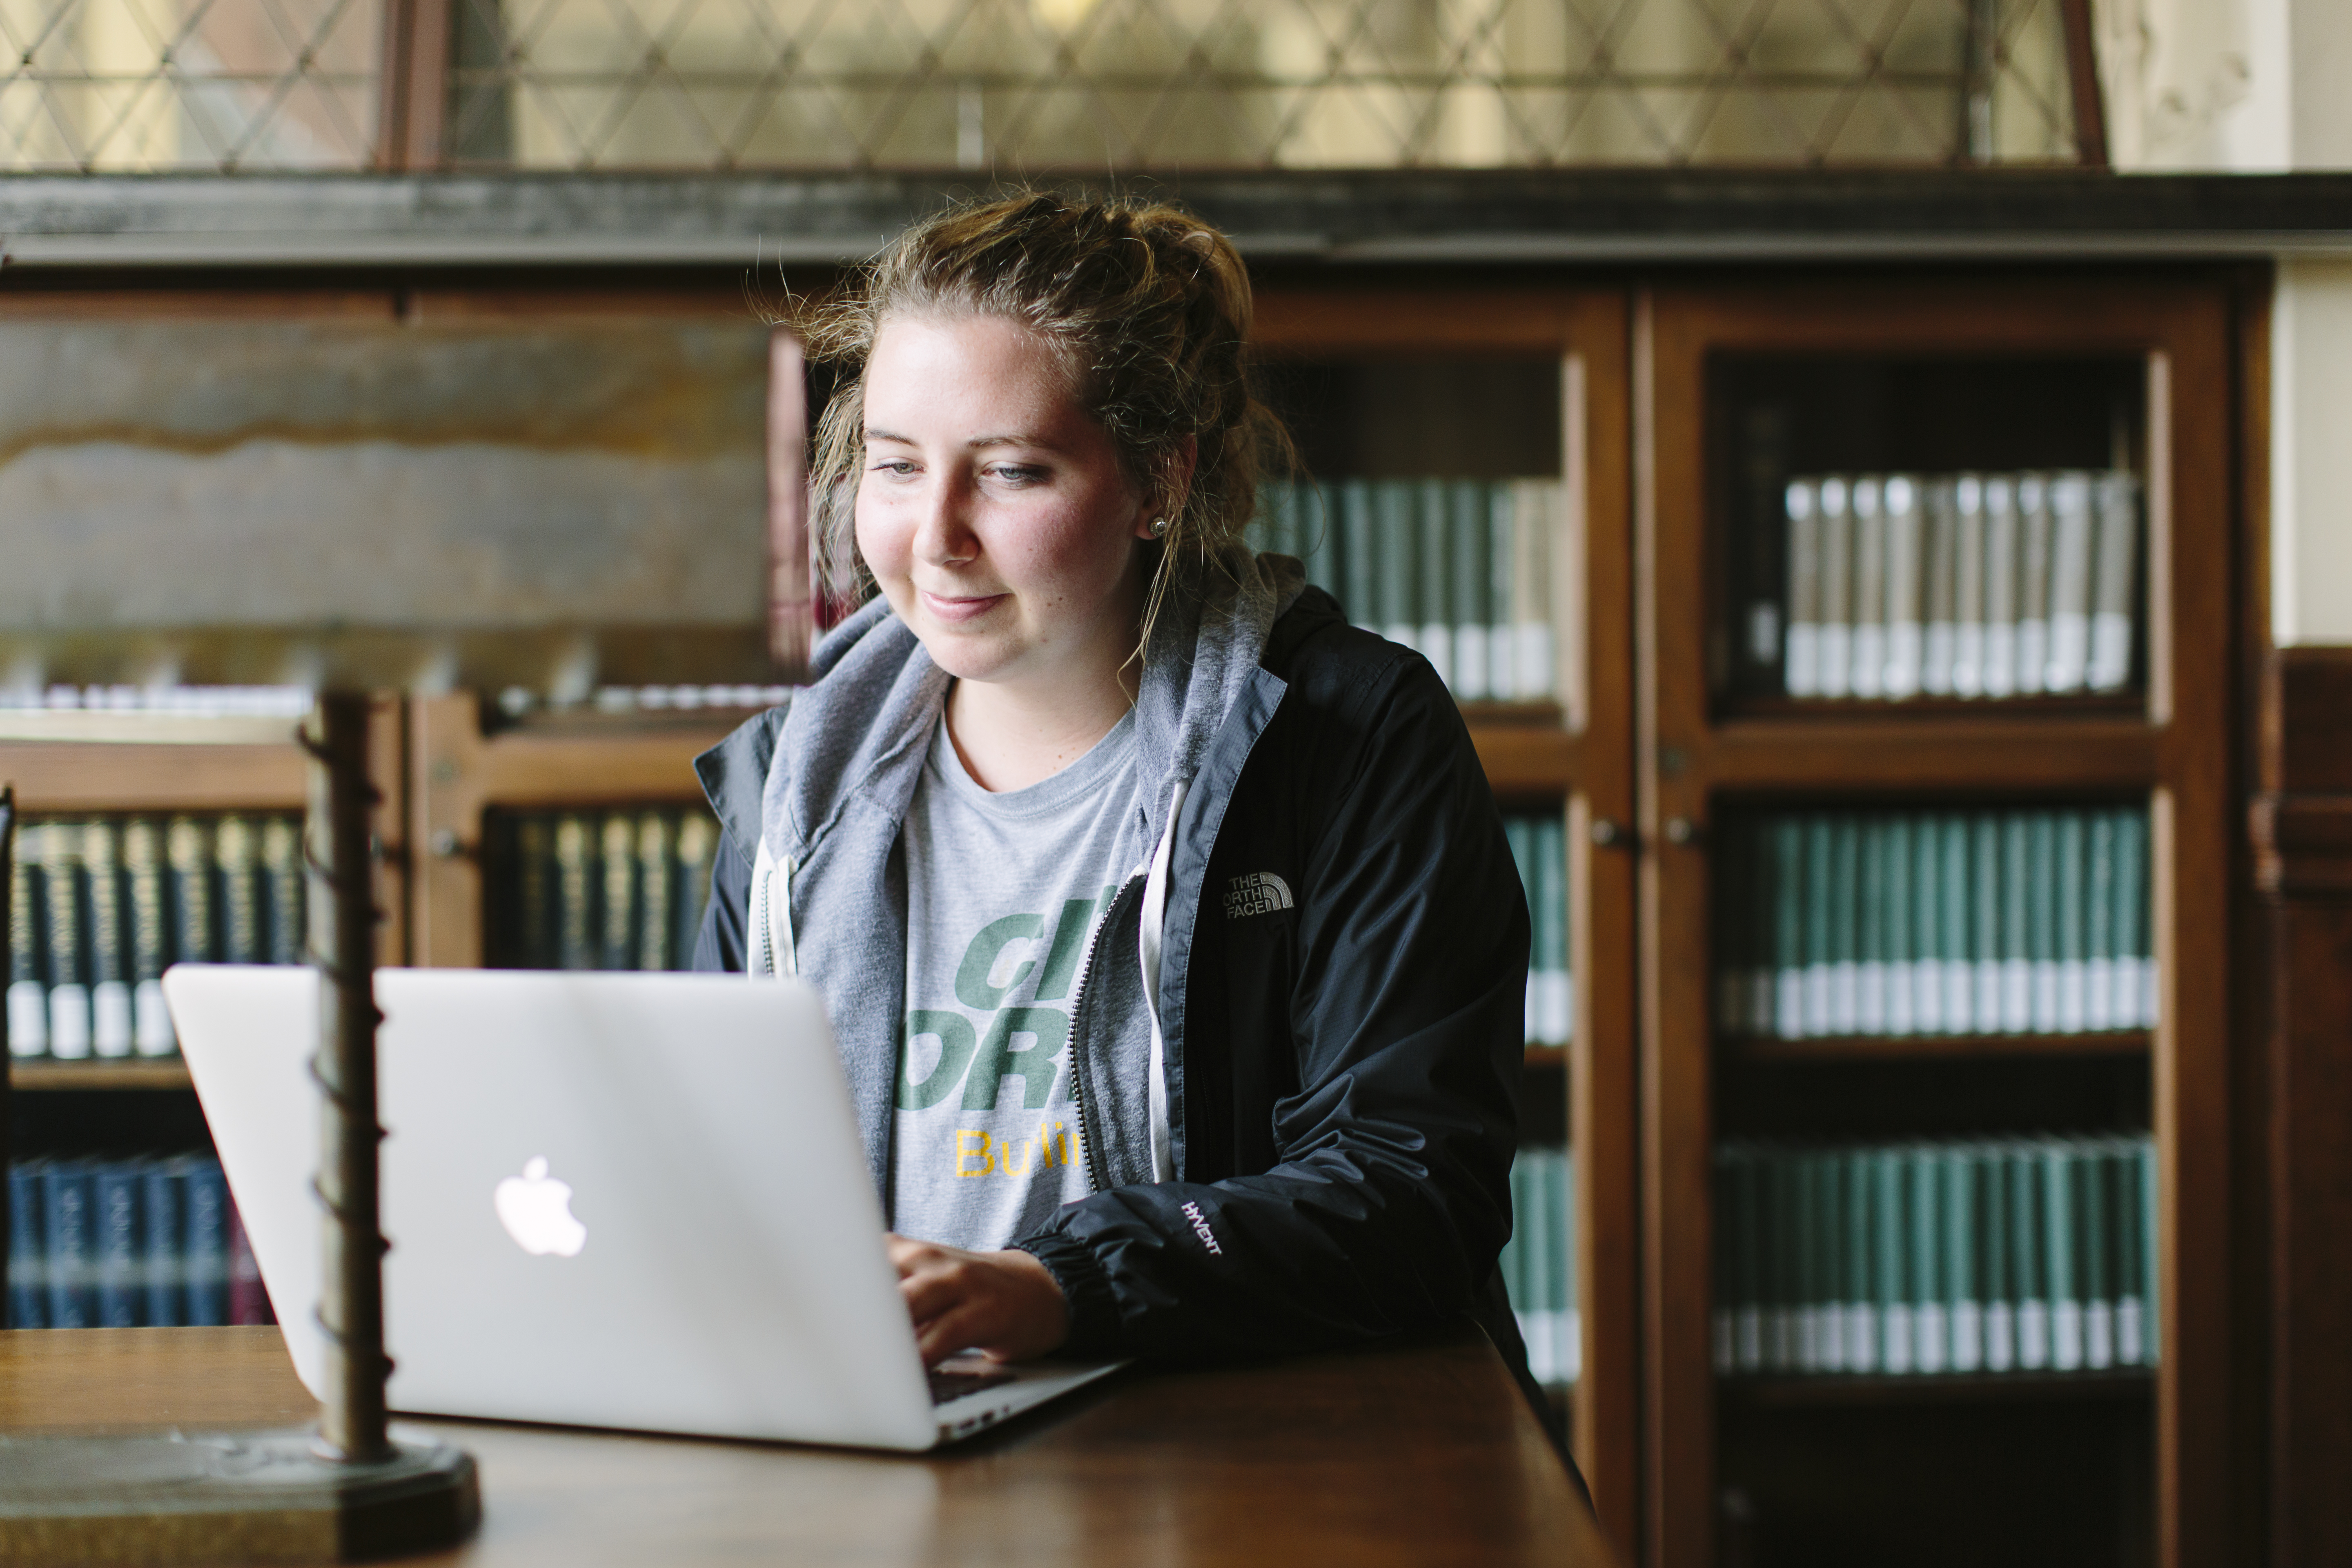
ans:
(1011, 736)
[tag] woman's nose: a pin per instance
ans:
(943, 535)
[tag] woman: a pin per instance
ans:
(1169, 930)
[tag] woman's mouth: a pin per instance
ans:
(941, 608)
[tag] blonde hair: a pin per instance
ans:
(1148, 311)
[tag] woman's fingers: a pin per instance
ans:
(1005, 1303)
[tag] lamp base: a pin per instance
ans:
(242, 1497)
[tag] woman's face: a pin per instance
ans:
(991, 510)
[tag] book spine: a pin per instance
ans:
(2069, 668)
(151, 937)
(1540, 1267)
(2000, 1270)
(2063, 1238)
(1785, 1284)
(2001, 580)
(2033, 563)
(2016, 931)
(28, 997)
(236, 851)
(188, 847)
(281, 873)
(1931, 1322)
(66, 1228)
(1393, 506)
(2074, 934)
(109, 988)
(1749, 1240)
(1502, 679)
(1568, 1323)
(1512, 1263)
(2041, 918)
(1724, 1257)
(1871, 954)
(2112, 607)
(2099, 924)
(2131, 1256)
(575, 894)
(534, 891)
(1472, 575)
(1862, 1352)
(248, 1298)
(1902, 951)
(1805, 1302)
(2136, 979)
(1906, 643)
(1969, 578)
(657, 868)
(28, 1263)
(1955, 920)
(1434, 579)
(1845, 923)
(2151, 1219)
(1540, 513)
(1834, 648)
(616, 874)
(1989, 915)
(1928, 936)
(1800, 658)
(1359, 554)
(1867, 675)
(1761, 907)
(1824, 1281)
(162, 1224)
(1963, 1236)
(697, 843)
(1789, 922)
(2095, 1174)
(1551, 881)
(114, 1212)
(1820, 958)
(1893, 1206)
(1732, 897)
(1940, 650)
(207, 1247)
(61, 880)
(2029, 1258)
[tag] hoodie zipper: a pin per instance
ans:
(1097, 1180)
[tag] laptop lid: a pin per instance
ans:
(621, 1200)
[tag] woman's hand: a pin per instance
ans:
(1005, 1304)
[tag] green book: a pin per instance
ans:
(1433, 598)
(1871, 950)
(575, 937)
(29, 994)
(2062, 1240)
(1359, 554)
(2131, 1256)
(151, 936)
(2151, 1209)
(1859, 1260)
(531, 943)
(1785, 1334)
(196, 925)
(2016, 932)
(1820, 945)
(1318, 523)
(2136, 977)
(1752, 1239)
(1505, 679)
(1928, 937)
(1903, 954)
(617, 878)
(1931, 1342)
(281, 867)
(2095, 1211)
(2041, 918)
(1551, 888)
(2029, 1265)
(2074, 976)
(1400, 561)
(2099, 923)
(1473, 577)
(61, 882)
(237, 855)
(1787, 890)
(1567, 1326)
(1963, 1233)
(110, 968)
(1725, 1286)
(1845, 923)
(2000, 1271)
(1541, 1264)
(1892, 1209)
(656, 870)
(1538, 511)
(1955, 950)
(1809, 1242)
(697, 844)
(1987, 911)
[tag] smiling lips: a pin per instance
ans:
(953, 611)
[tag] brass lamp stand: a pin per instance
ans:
(346, 1491)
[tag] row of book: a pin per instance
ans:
(1979, 585)
(1539, 1263)
(1539, 849)
(202, 701)
(1991, 1256)
(516, 702)
(128, 1244)
(616, 890)
(99, 908)
(1459, 569)
(1935, 923)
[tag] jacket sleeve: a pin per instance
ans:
(1387, 1199)
(720, 947)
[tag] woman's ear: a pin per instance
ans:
(1175, 488)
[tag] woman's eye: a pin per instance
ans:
(897, 468)
(1016, 473)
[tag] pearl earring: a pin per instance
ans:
(1159, 527)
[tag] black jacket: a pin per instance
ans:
(1344, 1070)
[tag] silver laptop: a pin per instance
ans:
(613, 1200)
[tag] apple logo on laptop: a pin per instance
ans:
(536, 1209)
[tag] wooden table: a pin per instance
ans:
(1422, 1453)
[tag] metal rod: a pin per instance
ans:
(342, 949)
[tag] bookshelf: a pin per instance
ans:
(1928, 375)
(1504, 384)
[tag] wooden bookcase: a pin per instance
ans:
(1698, 752)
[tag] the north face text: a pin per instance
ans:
(1259, 893)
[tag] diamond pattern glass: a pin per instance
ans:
(140, 86)
(1012, 87)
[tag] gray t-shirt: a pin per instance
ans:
(1003, 894)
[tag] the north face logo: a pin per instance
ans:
(1259, 893)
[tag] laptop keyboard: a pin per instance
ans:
(947, 1383)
